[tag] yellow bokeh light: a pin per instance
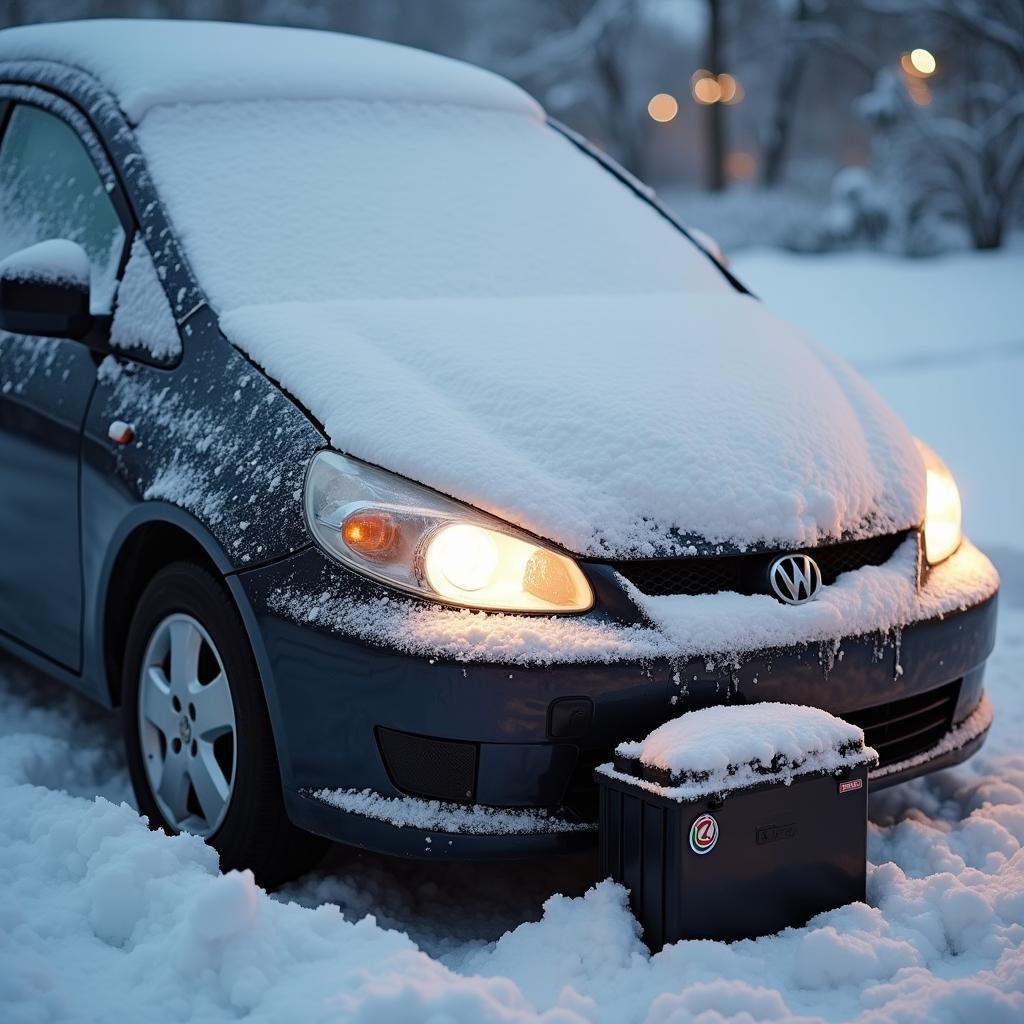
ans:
(663, 107)
(919, 63)
(707, 90)
(740, 165)
(923, 61)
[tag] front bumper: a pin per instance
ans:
(527, 736)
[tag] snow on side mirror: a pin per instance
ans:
(710, 245)
(44, 291)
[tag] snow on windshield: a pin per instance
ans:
(306, 201)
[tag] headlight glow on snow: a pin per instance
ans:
(943, 513)
(411, 537)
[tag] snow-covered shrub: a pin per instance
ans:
(949, 144)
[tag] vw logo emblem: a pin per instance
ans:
(795, 579)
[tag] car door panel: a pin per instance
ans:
(45, 387)
(49, 188)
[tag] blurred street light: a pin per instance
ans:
(919, 62)
(708, 88)
(740, 165)
(663, 107)
(918, 65)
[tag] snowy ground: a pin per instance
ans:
(101, 919)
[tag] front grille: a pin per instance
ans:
(905, 728)
(748, 573)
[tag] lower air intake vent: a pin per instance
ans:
(427, 767)
(905, 728)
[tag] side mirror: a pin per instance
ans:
(44, 290)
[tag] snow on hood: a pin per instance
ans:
(612, 425)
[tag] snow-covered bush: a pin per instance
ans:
(949, 142)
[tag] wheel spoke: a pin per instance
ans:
(215, 714)
(186, 642)
(155, 702)
(209, 783)
(173, 787)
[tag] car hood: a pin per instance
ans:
(635, 425)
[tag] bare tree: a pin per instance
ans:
(782, 113)
(714, 112)
(959, 147)
(589, 40)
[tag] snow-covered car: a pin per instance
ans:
(387, 454)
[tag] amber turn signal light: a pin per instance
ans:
(370, 534)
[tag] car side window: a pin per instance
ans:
(50, 188)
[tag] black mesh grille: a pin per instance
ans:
(424, 766)
(905, 728)
(748, 574)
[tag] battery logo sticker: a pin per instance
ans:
(703, 834)
(851, 785)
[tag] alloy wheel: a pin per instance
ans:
(186, 726)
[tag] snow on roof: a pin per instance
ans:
(148, 63)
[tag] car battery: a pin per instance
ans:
(733, 822)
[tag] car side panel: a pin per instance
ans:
(213, 439)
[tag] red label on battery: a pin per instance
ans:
(703, 834)
(850, 785)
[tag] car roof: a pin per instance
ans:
(148, 62)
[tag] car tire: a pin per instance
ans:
(200, 747)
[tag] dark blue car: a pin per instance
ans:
(387, 455)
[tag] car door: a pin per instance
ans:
(49, 188)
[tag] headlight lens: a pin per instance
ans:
(413, 538)
(943, 514)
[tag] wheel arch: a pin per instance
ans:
(156, 535)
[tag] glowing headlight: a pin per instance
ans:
(943, 514)
(413, 538)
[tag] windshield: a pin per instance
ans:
(330, 200)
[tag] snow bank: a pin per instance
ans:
(147, 63)
(724, 626)
(720, 749)
(102, 919)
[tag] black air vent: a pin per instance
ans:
(905, 728)
(428, 767)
